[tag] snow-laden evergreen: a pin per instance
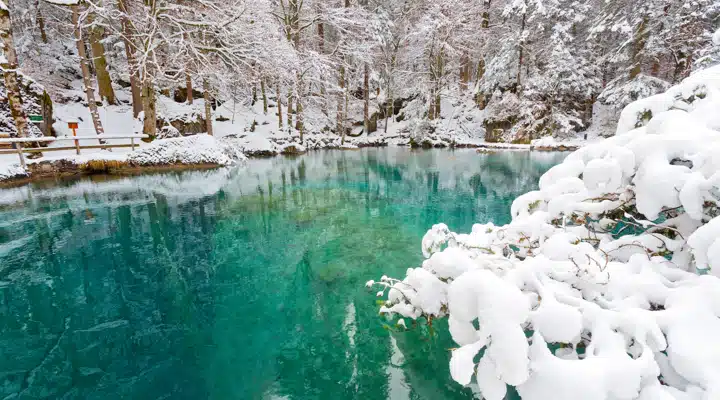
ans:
(605, 284)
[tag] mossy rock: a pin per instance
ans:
(292, 150)
(522, 140)
(643, 118)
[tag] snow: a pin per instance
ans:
(198, 149)
(705, 243)
(191, 150)
(9, 170)
(615, 259)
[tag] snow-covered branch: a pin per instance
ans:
(605, 284)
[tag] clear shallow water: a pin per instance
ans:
(243, 283)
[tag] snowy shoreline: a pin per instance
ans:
(202, 152)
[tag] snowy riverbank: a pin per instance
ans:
(239, 130)
(200, 152)
(226, 148)
(605, 284)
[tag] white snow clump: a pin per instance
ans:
(605, 284)
(198, 149)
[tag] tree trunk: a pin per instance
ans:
(366, 96)
(254, 94)
(588, 114)
(437, 105)
(521, 46)
(345, 114)
(188, 77)
(148, 103)
(127, 34)
(341, 94)
(342, 97)
(431, 109)
(321, 49)
(264, 95)
(389, 109)
(464, 71)
(321, 37)
(40, 21)
(299, 108)
(638, 45)
(438, 82)
(103, 76)
(189, 87)
(290, 109)
(9, 68)
(486, 15)
(208, 107)
(47, 114)
(295, 22)
(87, 81)
(293, 29)
(279, 105)
(480, 96)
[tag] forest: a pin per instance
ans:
(511, 70)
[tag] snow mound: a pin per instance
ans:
(198, 149)
(12, 170)
(254, 144)
(605, 284)
(293, 149)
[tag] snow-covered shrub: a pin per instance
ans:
(698, 93)
(605, 284)
(167, 132)
(12, 170)
(421, 131)
(620, 92)
(711, 54)
(198, 149)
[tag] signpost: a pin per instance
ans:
(73, 124)
(36, 119)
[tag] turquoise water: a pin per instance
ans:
(243, 283)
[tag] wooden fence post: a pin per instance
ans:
(19, 148)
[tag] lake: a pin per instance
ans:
(238, 283)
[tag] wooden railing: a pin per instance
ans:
(17, 144)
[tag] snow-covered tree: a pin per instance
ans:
(535, 67)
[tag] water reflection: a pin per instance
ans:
(242, 283)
